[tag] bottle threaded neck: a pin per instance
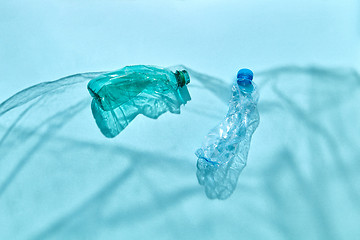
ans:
(182, 78)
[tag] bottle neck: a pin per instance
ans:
(182, 78)
(245, 85)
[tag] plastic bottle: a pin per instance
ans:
(115, 88)
(119, 96)
(224, 152)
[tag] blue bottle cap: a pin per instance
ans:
(245, 74)
(244, 80)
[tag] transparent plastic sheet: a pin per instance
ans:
(60, 178)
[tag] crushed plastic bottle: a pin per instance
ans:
(224, 152)
(119, 96)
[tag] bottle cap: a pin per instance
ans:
(245, 74)
(244, 80)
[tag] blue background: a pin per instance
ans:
(61, 179)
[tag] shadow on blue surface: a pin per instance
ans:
(61, 179)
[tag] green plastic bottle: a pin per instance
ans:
(119, 96)
(113, 89)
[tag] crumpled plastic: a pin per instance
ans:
(135, 90)
(224, 153)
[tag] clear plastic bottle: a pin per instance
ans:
(224, 152)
